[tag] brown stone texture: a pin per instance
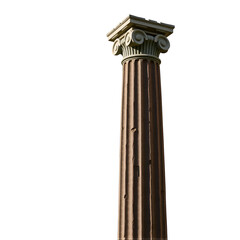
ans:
(142, 199)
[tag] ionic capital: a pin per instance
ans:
(138, 37)
(137, 43)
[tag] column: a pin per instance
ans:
(142, 194)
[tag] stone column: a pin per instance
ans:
(142, 198)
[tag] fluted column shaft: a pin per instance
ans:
(142, 203)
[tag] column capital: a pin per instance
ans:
(137, 37)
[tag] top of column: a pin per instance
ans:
(138, 37)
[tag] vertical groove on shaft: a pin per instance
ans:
(139, 142)
(134, 132)
(148, 145)
(124, 156)
(130, 150)
(162, 165)
(155, 154)
(145, 151)
(160, 150)
(142, 203)
(120, 215)
(126, 196)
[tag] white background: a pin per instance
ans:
(60, 102)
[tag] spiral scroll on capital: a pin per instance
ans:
(162, 43)
(135, 37)
(117, 49)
